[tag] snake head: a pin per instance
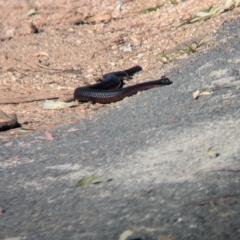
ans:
(165, 80)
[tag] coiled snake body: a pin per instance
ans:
(108, 90)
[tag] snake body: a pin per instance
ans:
(108, 90)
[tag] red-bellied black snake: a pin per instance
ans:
(108, 90)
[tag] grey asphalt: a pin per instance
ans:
(153, 146)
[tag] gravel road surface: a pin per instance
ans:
(154, 147)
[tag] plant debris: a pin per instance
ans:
(92, 180)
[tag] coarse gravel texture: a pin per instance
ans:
(153, 146)
(70, 50)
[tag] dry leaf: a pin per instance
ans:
(214, 11)
(99, 18)
(211, 153)
(229, 3)
(1, 211)
(22, 130)
(202, 92)
(204, 15)
(73, 130)
(31, 11)
(125, 234)
(50, 104)
(48, 136)
(165, 237)
(26, 127)
(232, 3)
(195, 94)
(205, 92)
(91, 180)
(129, 235)
(13, 238)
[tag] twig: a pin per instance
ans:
(103, 49)
(48, 68)
(4, 88)
(211, 200)
(31, 98)
(101, 70)
(220, 169)
(218, 87)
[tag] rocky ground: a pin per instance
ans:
(166, 159)
(49, 49)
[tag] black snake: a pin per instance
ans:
(109, 89)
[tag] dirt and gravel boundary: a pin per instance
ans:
(49, 49)
(173, 161)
